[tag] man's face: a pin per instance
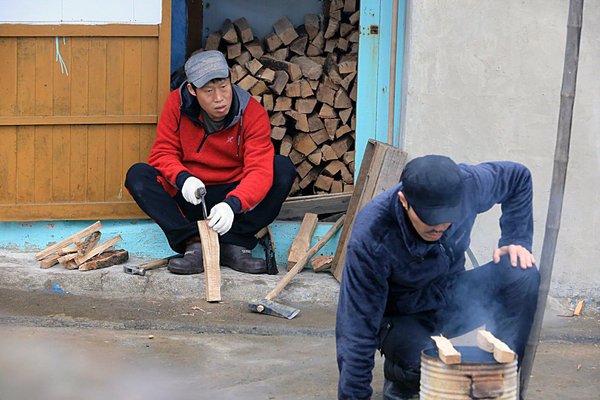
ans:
(430, 233)
(214, 98)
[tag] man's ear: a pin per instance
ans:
(403, 200)
(190, 88)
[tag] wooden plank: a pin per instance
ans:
(211, 259)
(8, 77)
(488, 342)
(106, 259)
(149, 78)
(44, 65)
(447, 353)
(96, 160)
(25, 165)
(294, 208)
(43, 164)
(97, 67)
(321, 263)
(70, 211)
(80, 120)
(96, 226)
(120, 30)
(98, 249)
(301, 242)
(49, 261)
(578, 308)
(61, 146)
(381, 168)
(89, 243)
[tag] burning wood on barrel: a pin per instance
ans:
(448, 354)
(488, 342)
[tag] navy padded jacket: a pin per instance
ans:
(388, 271)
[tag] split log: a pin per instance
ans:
(98, 249)
(321, 263)
(211, 260)
(285, 30)
(68, 241)
(447, 353)
(105, 259)
(243, 30)
(488, 342)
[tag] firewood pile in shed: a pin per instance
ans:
(305, 77)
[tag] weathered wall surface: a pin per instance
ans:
(483, 83)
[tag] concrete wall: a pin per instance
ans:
(483, 83)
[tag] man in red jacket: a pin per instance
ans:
(212, 135)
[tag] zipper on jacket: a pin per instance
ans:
(202, 142)
(239, 136)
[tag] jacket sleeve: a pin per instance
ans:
(362, 301)
(258, 153)
(508, 184)
(166, 152)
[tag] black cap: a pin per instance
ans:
(433, 187)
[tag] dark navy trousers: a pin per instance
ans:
(500, 296)
(178, 219)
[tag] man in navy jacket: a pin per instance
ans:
(404, 278)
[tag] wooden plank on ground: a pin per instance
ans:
(380, 170)
(447, 353)
(301, 243)
(321, 263)
(488, 342)
(49, 261)
(211, 259)
(70, 240)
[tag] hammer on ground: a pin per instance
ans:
(267, 305)
(142, 268)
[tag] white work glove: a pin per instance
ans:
(189, 188)
(221, 218)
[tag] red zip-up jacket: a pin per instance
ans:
(242, 151)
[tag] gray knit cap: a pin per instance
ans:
(205, 66)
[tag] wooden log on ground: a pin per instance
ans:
(301, 243)
(321, 263)
(105, 259)
(447, 353)
(211, 260)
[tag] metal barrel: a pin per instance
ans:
(478, 376)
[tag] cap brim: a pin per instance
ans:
(439, 215)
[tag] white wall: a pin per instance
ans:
(80, 11)
(484, 80)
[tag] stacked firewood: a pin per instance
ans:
(83, 251)
(305, 77)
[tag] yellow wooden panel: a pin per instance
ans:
(149, 76)
(43, 164)
(147, 137)
(8, 76)
(44, 63)
(61, 102)
(26, 76)
(132, 77)
(73, 211)
(78, 75)
(78, 163)
(113, 176)
(97, 76)
(18, 30)
(114, 71)
(8, 164)
(96, 158)
(25, 164)
(131, 151)
(61, 152)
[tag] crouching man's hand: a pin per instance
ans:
(221, 218)
(188, 191)
(516, 253)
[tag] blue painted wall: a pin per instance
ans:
(140, 237)
(374, 60)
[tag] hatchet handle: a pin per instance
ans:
(302, 262)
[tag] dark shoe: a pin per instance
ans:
(395, 391)
(240, 259)
(190, 263)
